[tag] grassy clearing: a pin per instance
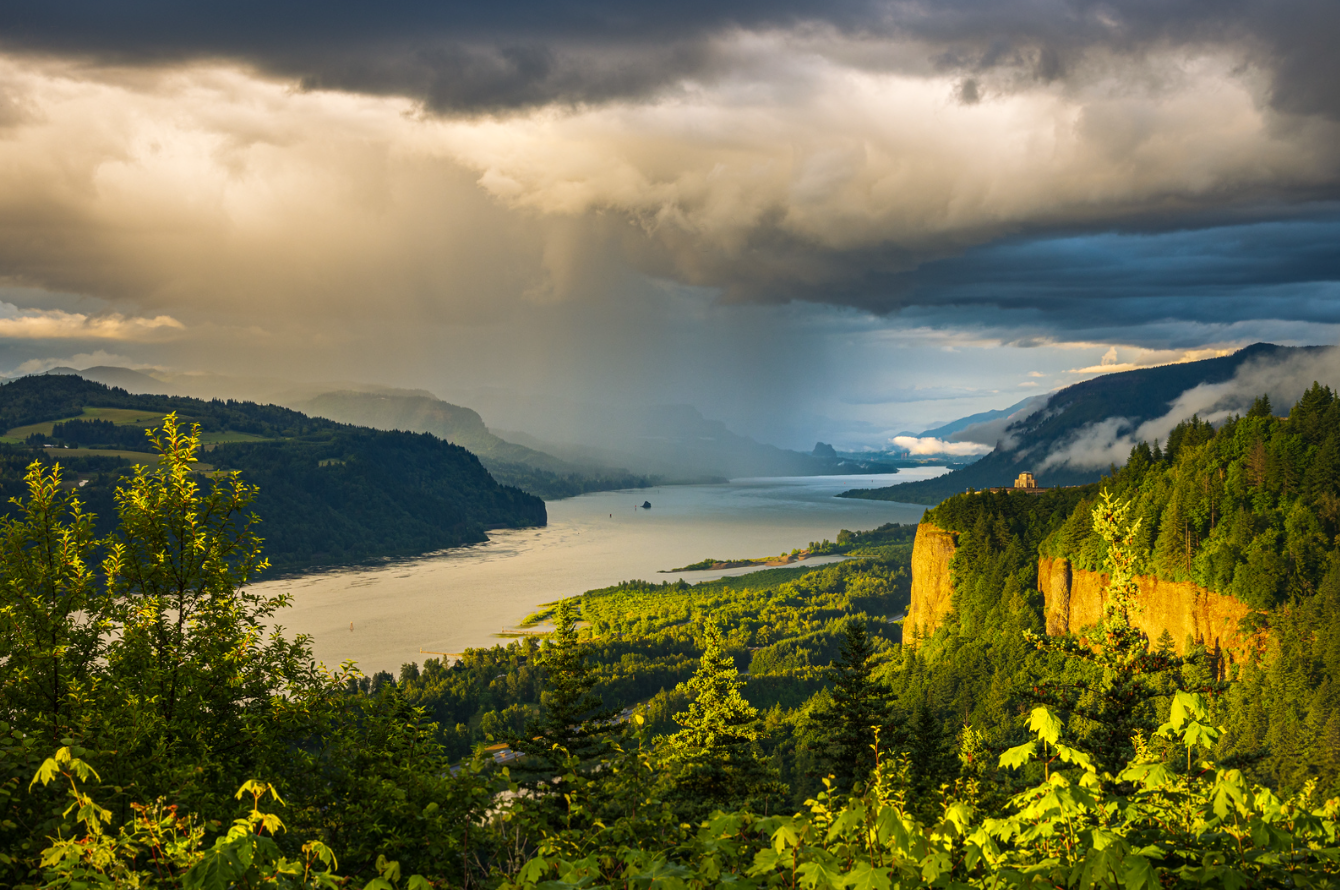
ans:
(118, 416)
(231, 436)
(131, 417)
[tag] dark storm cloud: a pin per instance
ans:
(483, 56)
(1286, 270)
(461, 55)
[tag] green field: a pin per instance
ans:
(118, 416)
(228, 436)
(125, 417)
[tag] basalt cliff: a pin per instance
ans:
(1075, 598)
(932, 588)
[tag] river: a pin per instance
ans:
(414, 609)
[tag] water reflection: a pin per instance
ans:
(463, 597)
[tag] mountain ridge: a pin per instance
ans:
(1134, 397)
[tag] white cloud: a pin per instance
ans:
(931, 445)
(845, 159)
(82, 361)
(56, 324)
(1110, 441)
(1153, 358)
(992, 433)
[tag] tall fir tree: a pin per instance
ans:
(932, 761)
(844, 731)
(574, 722)
(715, 761)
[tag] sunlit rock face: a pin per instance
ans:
(1075, 600)
(932, 589)
(1187, 611)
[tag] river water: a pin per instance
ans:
(411, 610)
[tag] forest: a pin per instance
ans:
(768, 730)
(329, 493)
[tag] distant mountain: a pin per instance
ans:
(526, 468)
(675, 442)
(944, 432)
(1105, 405)
(384, 408)
(124, 378)
(329, 493)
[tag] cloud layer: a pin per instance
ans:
(823, 182)
(1284, 381)
(930, 445)
(527, 53)
(54, 324)
(670, 201)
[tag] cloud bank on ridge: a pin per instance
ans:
(1109, 442)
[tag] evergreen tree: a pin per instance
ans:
(714, 761)
(574, 722)
(845, 730)
(931, 760)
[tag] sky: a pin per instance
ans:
(839, 221)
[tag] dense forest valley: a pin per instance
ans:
(785, 728)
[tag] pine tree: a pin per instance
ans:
(1261, 407)
(714, 761)
(931, 760)
(574, 721)
(846, 729)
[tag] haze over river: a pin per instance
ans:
(412, 610)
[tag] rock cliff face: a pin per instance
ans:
(932, 591)
(1075, 600)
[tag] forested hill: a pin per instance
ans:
(1250, 510)
(329, 493)
(528, 469)
(1135, 396)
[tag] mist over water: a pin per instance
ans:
(417, 609)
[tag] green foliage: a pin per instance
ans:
(1113, 677)
(845, 725)
(1251, 509)
(159, 847)
(1068, 830)
(574, 722)
(378, 782)
(161, 668)
(714, 761)
(56, 620)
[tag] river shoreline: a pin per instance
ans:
(404, 610)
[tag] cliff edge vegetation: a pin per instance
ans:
(1238, 560)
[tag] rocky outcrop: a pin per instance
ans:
(1075, 600)
(932, 590)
